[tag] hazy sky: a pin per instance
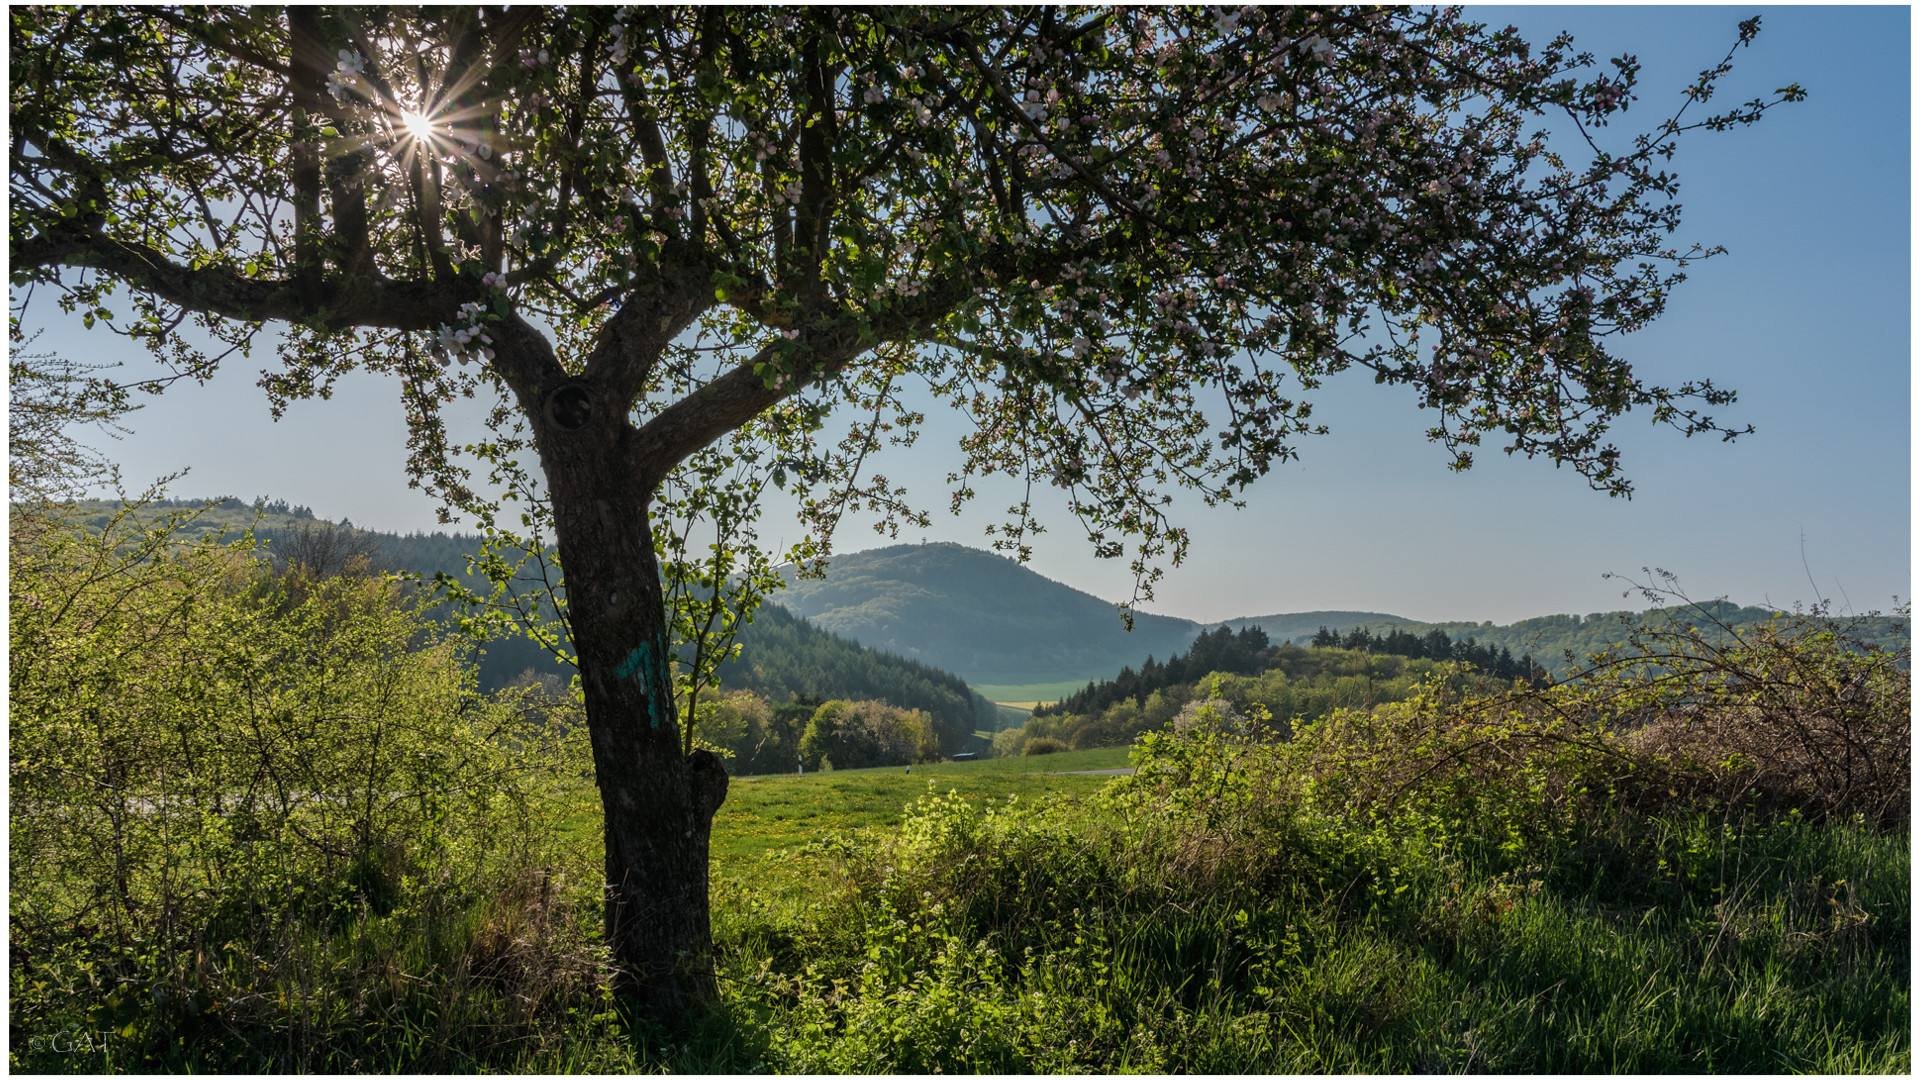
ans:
(1807, 316)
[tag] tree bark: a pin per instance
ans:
(658, 802)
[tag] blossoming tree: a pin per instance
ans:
(1126, 243)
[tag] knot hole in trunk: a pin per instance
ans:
(571, 406)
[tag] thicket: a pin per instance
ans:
(265, 821)
(1695, 859)
(755, 736)
(863, 734)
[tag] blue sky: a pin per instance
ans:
(1807, 315)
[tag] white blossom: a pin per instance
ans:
(345, 73)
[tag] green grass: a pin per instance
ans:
(766, 813)
(1013, 944)
(766, 817)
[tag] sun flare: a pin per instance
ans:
(420, 127)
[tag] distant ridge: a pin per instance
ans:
(978, 614)
(997, 623)
(1300, 625)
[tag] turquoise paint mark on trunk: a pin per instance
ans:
(639, 664)
(635, 663)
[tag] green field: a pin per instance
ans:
(765, 813)
(761, 831)
(1083, 937)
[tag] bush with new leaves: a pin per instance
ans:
(211, 765)
(1796, 716)
(863, 734)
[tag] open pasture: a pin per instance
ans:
(763, 814)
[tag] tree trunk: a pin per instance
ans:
(659, 803)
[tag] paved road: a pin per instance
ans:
(1088, 772)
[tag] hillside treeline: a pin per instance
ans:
(1436, 645)
(784, 657)
(1249, 652)
(1295, 685)
(1563, 643)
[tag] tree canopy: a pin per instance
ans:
(1067, 222)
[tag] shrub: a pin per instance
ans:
(1043, 745)
(1797, 717)
(1798, 714)
(739, 727)
(230, 789)
(1010, 742)
(864, 734)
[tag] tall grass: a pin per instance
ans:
(1005, 941)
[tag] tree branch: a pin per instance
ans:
(332, 302)
(214, 37)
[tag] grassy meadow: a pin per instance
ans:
(761, 830)
(767, 813)
(1018, 915)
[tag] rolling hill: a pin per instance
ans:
(980, 615)
(996, 623)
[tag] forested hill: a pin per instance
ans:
(784, 657)
(781, 656)
(1548, 639)
(981, 615)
